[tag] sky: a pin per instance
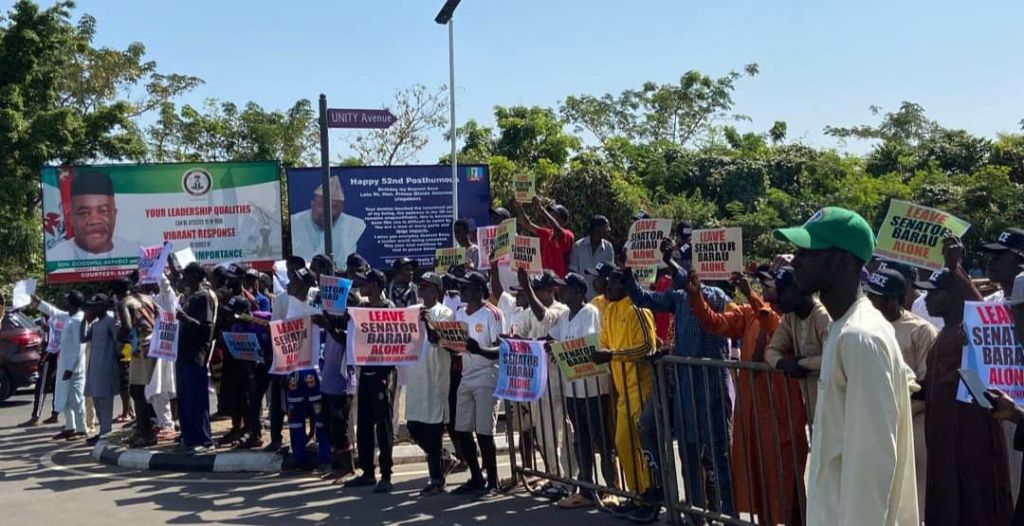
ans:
(822, 62)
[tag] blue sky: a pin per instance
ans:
(822, 62)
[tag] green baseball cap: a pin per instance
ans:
(833, 227)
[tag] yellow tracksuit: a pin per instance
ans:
(628, 332)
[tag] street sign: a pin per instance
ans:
(350, 118)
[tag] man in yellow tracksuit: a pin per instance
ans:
(627, 339)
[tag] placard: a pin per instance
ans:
(22, 294)
(992, 350)
(163, 345)
(643, 244)
(526, 255)
(385, 337)
(244, 346)
(913, 234)
(293, 350)
(646, 275)
(525, 187)
(334, 293)
(718, 253)
(503, 237)
(56, 331)
(522, 370)
(183, 257)
(448, 257)
(152, 261)
(453, 334)
(574, 358)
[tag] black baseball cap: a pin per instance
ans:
(939, 280)
(684, 228)
(576, 281)
(470, 278)
(782, 278)
(194, 268)
(432, 278)
(401, 262)
(641, 215)
(356, 262)
(98, 300)
(547, 280)
(372, 276)
(1011, 239)
(602, 269)
(306, 277)
(239, 305)
(887, 282)
(560, 210)
(909, 273)
(252, 274)
(121, 286)
(75, 298)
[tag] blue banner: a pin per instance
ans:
(334, 293)
(384, 212)
(243, 346)
(522, 371)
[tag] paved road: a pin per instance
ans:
(43, 482)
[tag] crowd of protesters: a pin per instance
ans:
(860, 379)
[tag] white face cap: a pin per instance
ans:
(1017, 298)
(335, 186)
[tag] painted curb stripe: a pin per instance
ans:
(181, 462)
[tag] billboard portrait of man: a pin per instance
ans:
(93, 220)
(308, 226)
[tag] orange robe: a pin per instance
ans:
(761, 484)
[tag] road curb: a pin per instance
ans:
(229, 461)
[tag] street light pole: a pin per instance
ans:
(451, 103)
(444, 16)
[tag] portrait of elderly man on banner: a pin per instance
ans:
(308, 225)
(92, 216)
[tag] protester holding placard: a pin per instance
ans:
(542, 314)
(1005, 407)
(338, 387)
(401, 291)
(195, 339)
(887, 289)
(760, 408)
(477, 409)
(102, 377)
(69, 396)
(1006, 257)
(243, 321)
(710, 422)
(427, 408)
(460, 230)
(964, 443)
(556, 241)
(375, 411)
(592, 249)
(588, 400)
(161, 387)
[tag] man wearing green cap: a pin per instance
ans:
(862, 451)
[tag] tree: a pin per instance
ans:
(219, 131)
(419, 112)
(62, 100)
(907, 125)
(677, 113)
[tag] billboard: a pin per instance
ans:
(95, 218)
(384, 212)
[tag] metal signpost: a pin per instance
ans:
(342, 118)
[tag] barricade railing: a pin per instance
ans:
(738, 429)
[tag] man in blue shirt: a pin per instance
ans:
(701, 397)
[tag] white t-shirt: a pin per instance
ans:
(587, 321)
(426, 392)
(536, 329)
(921, 310)
(510, 311)
(484, 326)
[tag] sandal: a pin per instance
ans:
(576, 501)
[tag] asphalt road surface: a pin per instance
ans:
(53, 483)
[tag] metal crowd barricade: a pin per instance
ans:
(543, 436)
(691, 403)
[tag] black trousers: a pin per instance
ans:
(45, 384)
(274, 385)
(144, 413)
(337, 409)
(428, 438)
(590, 424)
(374, 418)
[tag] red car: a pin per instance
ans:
(20, 344)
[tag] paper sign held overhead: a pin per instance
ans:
(445, 258)
(718, 252)
(526, 255)
(913, 234)
(643, 244)
(525, 187)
